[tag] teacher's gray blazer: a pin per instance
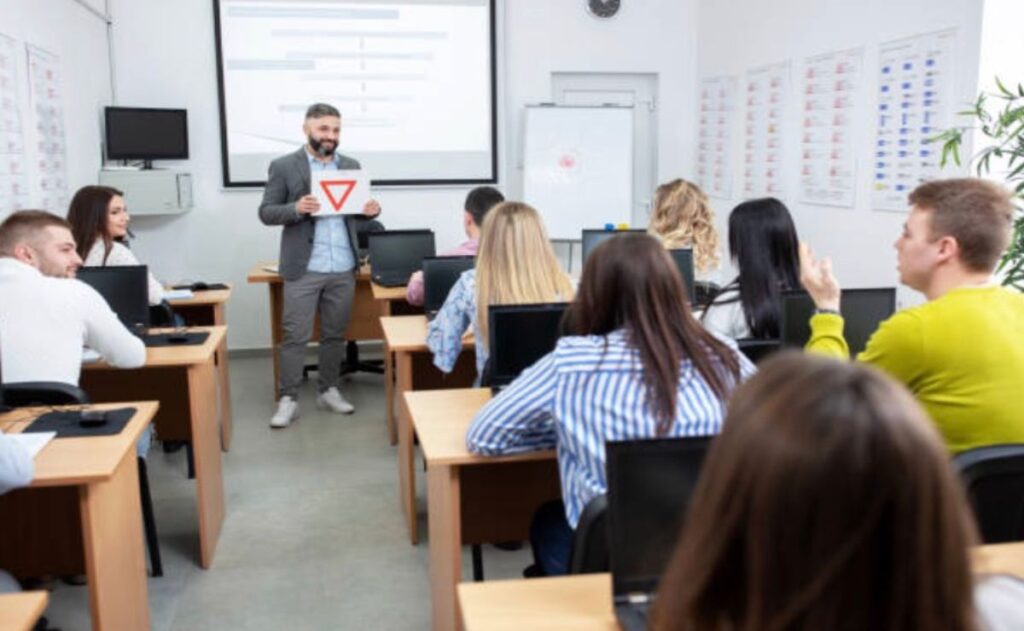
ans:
(287, 181)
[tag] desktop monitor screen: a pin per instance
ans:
(519, 336)
(439, 275)
(863, 310)
(142, 133)
(683, 258)
(125, 289)
(591, 238)
(399, 250)
(650, 483)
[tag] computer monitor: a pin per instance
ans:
(862, 309)
(650, 483)
(592, 237)
(519, 335)
(683, 258)
(125, 289)
(439, 275)
(399, 251)
(146, 133)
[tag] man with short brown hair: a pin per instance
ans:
(961, 353)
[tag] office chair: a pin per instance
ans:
(756, 349)
(589, 552)
(29, 393)
(994, 479)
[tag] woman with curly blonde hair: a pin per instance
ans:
(682, 218)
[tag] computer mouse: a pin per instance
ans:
(92, 418)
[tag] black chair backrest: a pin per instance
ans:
(994, 479)
(755, 349)
(589, 552)
(29, 393)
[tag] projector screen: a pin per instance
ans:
(414, 82)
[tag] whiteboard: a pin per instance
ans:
(578, 166)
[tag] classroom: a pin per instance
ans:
(511, 314)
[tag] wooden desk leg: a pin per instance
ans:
(114, 555)
(406, 448)
(445, 527)
(224, 383)
(389, 393)
(206, 448)
(276, 330)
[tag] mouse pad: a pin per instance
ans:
(164, 339)
(209, 287)
(66, 423)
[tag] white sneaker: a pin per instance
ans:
(287, 411)
(331, 399)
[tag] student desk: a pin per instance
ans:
(583, 602)
(471, 499)
(184, 380)
(206, 308)
(82, 513)
(364, 323)
(412, 368)
(21, 611)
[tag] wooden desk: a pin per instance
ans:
(184, 380)
(206, 308)
(82, 513)
(364, 323)
(412, 368)
(471, 499)
(583, 602)
(20, 612)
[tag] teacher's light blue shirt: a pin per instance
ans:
(332, 248)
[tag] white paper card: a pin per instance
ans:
(33, 442)
(342, 192)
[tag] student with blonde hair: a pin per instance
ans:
(515, 265)
(681, 217)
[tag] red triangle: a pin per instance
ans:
(337, 203)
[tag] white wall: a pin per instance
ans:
(741, 34)
(165, 57)
(79, 38)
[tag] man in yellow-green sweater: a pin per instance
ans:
(961, 353)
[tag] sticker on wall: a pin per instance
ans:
(766, 103)
(714, 146)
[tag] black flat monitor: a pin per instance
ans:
(650, 483)
(399, 252)
(440, 274)
(126, 290)
(519, 335)
(683, 258)
(862, 309)
(592, 237)
(146, 133)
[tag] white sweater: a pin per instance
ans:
(44, 322)
(121, 255)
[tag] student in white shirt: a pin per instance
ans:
(16, 470)
(46, 316)
(99, 223)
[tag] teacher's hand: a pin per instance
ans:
(307, 205)
(371, 208)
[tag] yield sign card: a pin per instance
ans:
(340, 192)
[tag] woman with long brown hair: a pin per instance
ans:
(636, 365)
(828, 502)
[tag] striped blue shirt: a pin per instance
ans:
(587, 391)
(332, 247)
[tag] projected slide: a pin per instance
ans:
(413, 81)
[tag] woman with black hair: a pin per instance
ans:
(764, 247)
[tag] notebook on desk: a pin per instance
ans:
(396, 254)
(519, 335)
(650, 483)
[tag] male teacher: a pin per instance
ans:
(318, 262)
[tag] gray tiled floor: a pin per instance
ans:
(313, 538)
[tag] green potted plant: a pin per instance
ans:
(999, 117)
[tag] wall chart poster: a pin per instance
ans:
(714, 146)
(14, 191)
(48, 134)
(827, 161)
(915, 81)
(766, 96)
